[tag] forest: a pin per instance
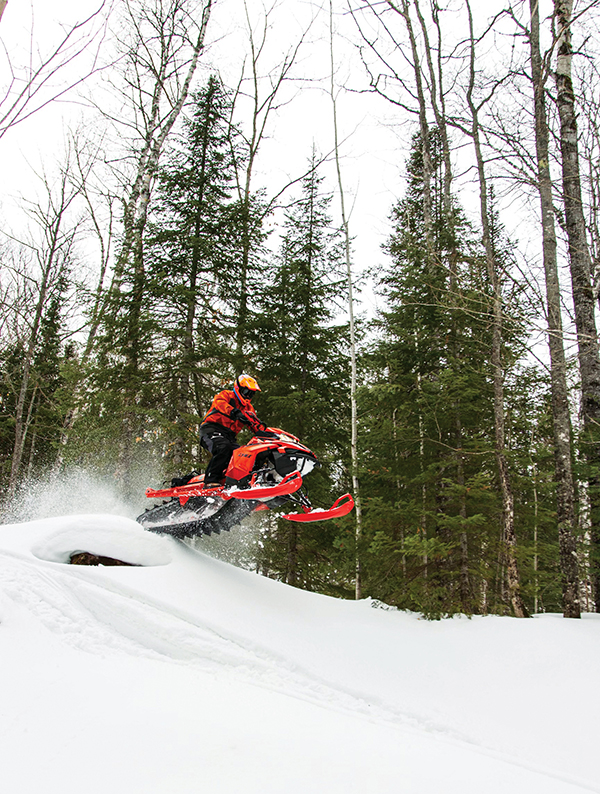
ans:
(452, 384)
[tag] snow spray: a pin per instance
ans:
(72, 491)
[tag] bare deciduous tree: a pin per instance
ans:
(162, 43)
(99, 222)
(438, 104)
(262, 89)
(581, 270)
(47, 257)
(508, 511)
(350, 281)
(558, 367)
(33, 86)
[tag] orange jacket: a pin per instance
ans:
(226, 402)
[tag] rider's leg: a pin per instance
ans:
(221, 448)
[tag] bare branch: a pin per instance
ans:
(30, 88)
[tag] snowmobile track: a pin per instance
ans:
(162, 519)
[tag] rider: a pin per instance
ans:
(229, 412)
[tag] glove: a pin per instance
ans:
(261, 429)
(240, 416)
(251, 421)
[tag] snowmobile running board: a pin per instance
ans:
(338, 509)
(288, 485)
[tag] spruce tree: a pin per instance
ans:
(304, 370)
(428, 432)
(191, 252)
(187, 294)
(49, 379)
(46, 392)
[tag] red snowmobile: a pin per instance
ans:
(263, 474)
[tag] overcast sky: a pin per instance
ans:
(372, 168)
(375, 134)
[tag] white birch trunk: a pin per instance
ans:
(583, 293)
(558, 366)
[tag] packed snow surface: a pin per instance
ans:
(186, 675)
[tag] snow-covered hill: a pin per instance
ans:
(186, 675)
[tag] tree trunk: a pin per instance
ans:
(156, 130)
(465, 583)
(436, 94)
(508, 513)
(558, 367)
(581, 279)
(291, 576)
(423, 127)
(353, 379)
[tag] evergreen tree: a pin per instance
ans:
(301, 354)
(529, 429)
(50, 385)
(186, 326)
(191, 248)
(243, 282)
(428, 433)
(11, 364)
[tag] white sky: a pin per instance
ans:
(375, 134)
(372, 166)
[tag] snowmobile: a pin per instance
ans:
(264, 474)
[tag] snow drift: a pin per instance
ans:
(185, 674)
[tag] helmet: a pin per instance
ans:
(245, 386)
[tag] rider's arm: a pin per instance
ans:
(223, 404)
(248, 418)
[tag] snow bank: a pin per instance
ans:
(104, 536)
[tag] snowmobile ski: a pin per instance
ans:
(337, 510)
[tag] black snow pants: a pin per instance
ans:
(220, 442)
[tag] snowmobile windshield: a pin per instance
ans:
(283, 436)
